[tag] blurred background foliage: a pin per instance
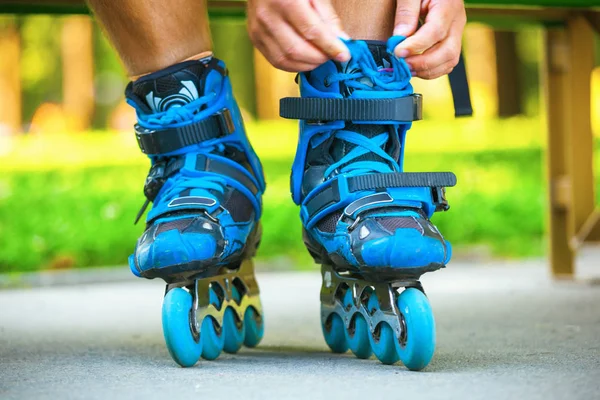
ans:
(71, 174)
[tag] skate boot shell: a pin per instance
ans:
(365, 219)
(205, 185)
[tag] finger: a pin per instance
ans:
(274, 57)
(289, 49)
(407, 17)
(437, 72)
(309, 25)
(329, 16)
(435, 29)
(445, 52)
(280, 43)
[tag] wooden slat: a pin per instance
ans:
(568, 63)
(556, 94)
(508, 86)
(517, 15)
(589, 232)
(594, 19)
(271, 85)
(535, 3)
(580, 42)
(231, 7)
(510, 10)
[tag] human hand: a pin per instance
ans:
(432, 50)
(296, 35)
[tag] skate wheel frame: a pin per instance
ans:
(219, 303)
(331, 301)
(377, 304)
(246, 285)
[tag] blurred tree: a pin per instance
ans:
(480, 55)
(232, 44)
(109, 83)
(529, 52)
(507, 68)
(10, 76)
(271, 85)
(41, 75)
(78, 71)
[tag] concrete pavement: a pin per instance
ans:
(505, 330)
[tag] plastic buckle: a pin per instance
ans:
(145, 139)
(417, 106)
(226, 121)
(155, 180)
(438, 195)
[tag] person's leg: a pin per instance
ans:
(150, 35)
(205, 181)
(362, 20)
(365, 220)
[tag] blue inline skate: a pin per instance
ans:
(206, 184)
(365, 219)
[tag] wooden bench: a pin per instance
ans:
(566, 70)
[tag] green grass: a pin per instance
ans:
(82, 217)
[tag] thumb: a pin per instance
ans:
(407, 17)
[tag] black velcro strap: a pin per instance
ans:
(401, 179)
(207, 164)
(167, 140)
(331, 195)
(401, 109)
(460, 90)
(327, 197)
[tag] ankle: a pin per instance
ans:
(196, 57)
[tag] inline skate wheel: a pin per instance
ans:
(233, 329)
(183, 347)
(417, 344)
(357, 335)
(334, 333)
(254, 326)
(211, 333)
(382, 339)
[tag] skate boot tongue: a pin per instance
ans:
(380, 60)
(170, 88)
(370, 72)
(379, 53)
(373, 67)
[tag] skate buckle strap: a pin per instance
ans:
(222, 168)
(164, 169)
(316, 110)
(330, 194)
(162, 141)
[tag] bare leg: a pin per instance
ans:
(153, 34)
(362, 20)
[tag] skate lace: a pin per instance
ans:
(368, 76)
(180, 182)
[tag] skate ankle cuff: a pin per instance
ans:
(317, 110)
(377, 190)
(163, 141)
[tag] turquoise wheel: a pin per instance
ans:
(417, 343)
(357, 335)
(334, 333)
(176, 309)
(383, 340)
(254, 326)
(233, 329)
(211, 333)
